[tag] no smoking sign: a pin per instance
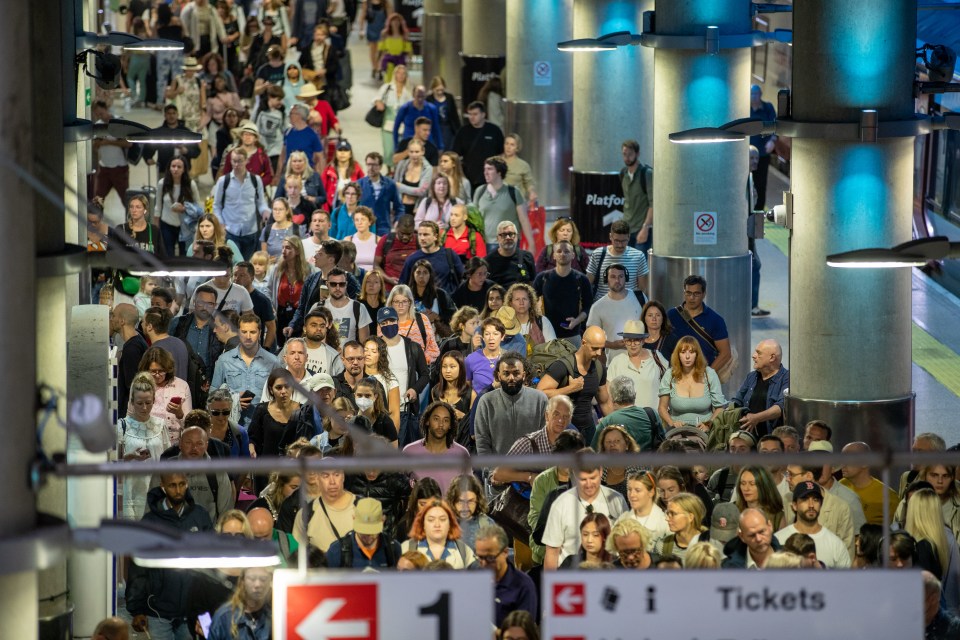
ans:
(705, 227)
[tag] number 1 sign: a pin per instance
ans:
(386, 606)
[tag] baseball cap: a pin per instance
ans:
(724, 522)
(368, 517)
(387, 313)
(821, 446)
(343, 145)
(319, 381)
(807, 488)
(745, 436)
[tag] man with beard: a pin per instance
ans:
(157, 598)
(246, 368)
(212, 491)
(509, 263)
(613, 310)
(506, 413)
(349, 316)
(807, 503)
(562, 533)
(196, 328)
(346, 381)
(366, 546)
(321, 357)
(436, 427)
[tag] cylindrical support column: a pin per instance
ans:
(90, 499)
(539, 100)
(851, 195)
(442, 41)
(18, 591)
(600, 125)
(484, 28)
(700, 202)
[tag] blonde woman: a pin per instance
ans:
(392, 94)
(140, 436)
(685, 513)
(535, 328)
(209, 237)
(278, 229)
(925, 524)
(311, 184)
(249, 608)
(451, 165)
(413, 324)
(413, 175)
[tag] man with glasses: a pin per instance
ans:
(380, 194)
(346, 381)
(562, 533)
(628, 540)
(349, 316)
(196, 328)
(509, 263)
(617, 252)
(694, 318)
(325, 259)
(513, 589)
(834, 514)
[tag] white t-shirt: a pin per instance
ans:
(344, 317)
(655, 522)
(646, 379)
(310, 249)
(238, 298)
(830, 549)
(568, 510)
(398, 365)
(610, 315)
(324, 359)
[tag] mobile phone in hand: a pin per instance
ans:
(564, 325)
(247, 395)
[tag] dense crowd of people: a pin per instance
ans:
(388, 302)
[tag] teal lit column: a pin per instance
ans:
(850, 329)
(607, 112)
(539, 100)
(694, 89)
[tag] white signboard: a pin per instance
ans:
(342, 605)
(732, 604)
(705, 227)
(542, 74)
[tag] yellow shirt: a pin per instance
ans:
(871, 497)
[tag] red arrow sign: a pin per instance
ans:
(325, 612)
(569, 599)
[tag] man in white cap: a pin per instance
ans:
(366, 546)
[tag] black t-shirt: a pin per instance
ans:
(583, 415)
(564, 297)
(430, 151)
(263, 309)
(506, 271)
(758, 399)
(464, 297)
(273, 75)
(475, 145)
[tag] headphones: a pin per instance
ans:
(616, 265)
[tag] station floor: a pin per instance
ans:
(936, 337)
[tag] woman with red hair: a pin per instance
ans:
(436, 534)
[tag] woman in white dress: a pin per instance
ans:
(140, 436)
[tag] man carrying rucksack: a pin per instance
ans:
(636, 179)
(238, 197)
(465, 235)
(366, 546)
(583, 378)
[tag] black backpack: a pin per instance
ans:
(197, 377)
(346, 551)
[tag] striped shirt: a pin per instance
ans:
(633, 259)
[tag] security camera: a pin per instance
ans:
(777, 215)
(106, 65)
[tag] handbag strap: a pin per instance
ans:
(700, 331)
(336, 534)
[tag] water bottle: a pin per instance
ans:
(127, 103)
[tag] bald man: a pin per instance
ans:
(761, 393)
(868, 489)
(124, 319)
(754, 543)
(112, 628)
(581, 380)
(261, 523)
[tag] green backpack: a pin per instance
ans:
(549, 352)
(474, 226)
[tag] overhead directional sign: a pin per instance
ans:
(341, 605)
(732, 604)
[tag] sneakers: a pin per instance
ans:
(757, 312)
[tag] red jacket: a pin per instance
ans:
(330, 179)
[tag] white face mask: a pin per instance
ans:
(364, 404)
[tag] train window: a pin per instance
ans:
(938, 177)
(952, 178)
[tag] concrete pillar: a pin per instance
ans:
(442, 41)
(851, 195)
(484, 44)
(696, 89)
(18, 591)
(539, 100)
(605, 113)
